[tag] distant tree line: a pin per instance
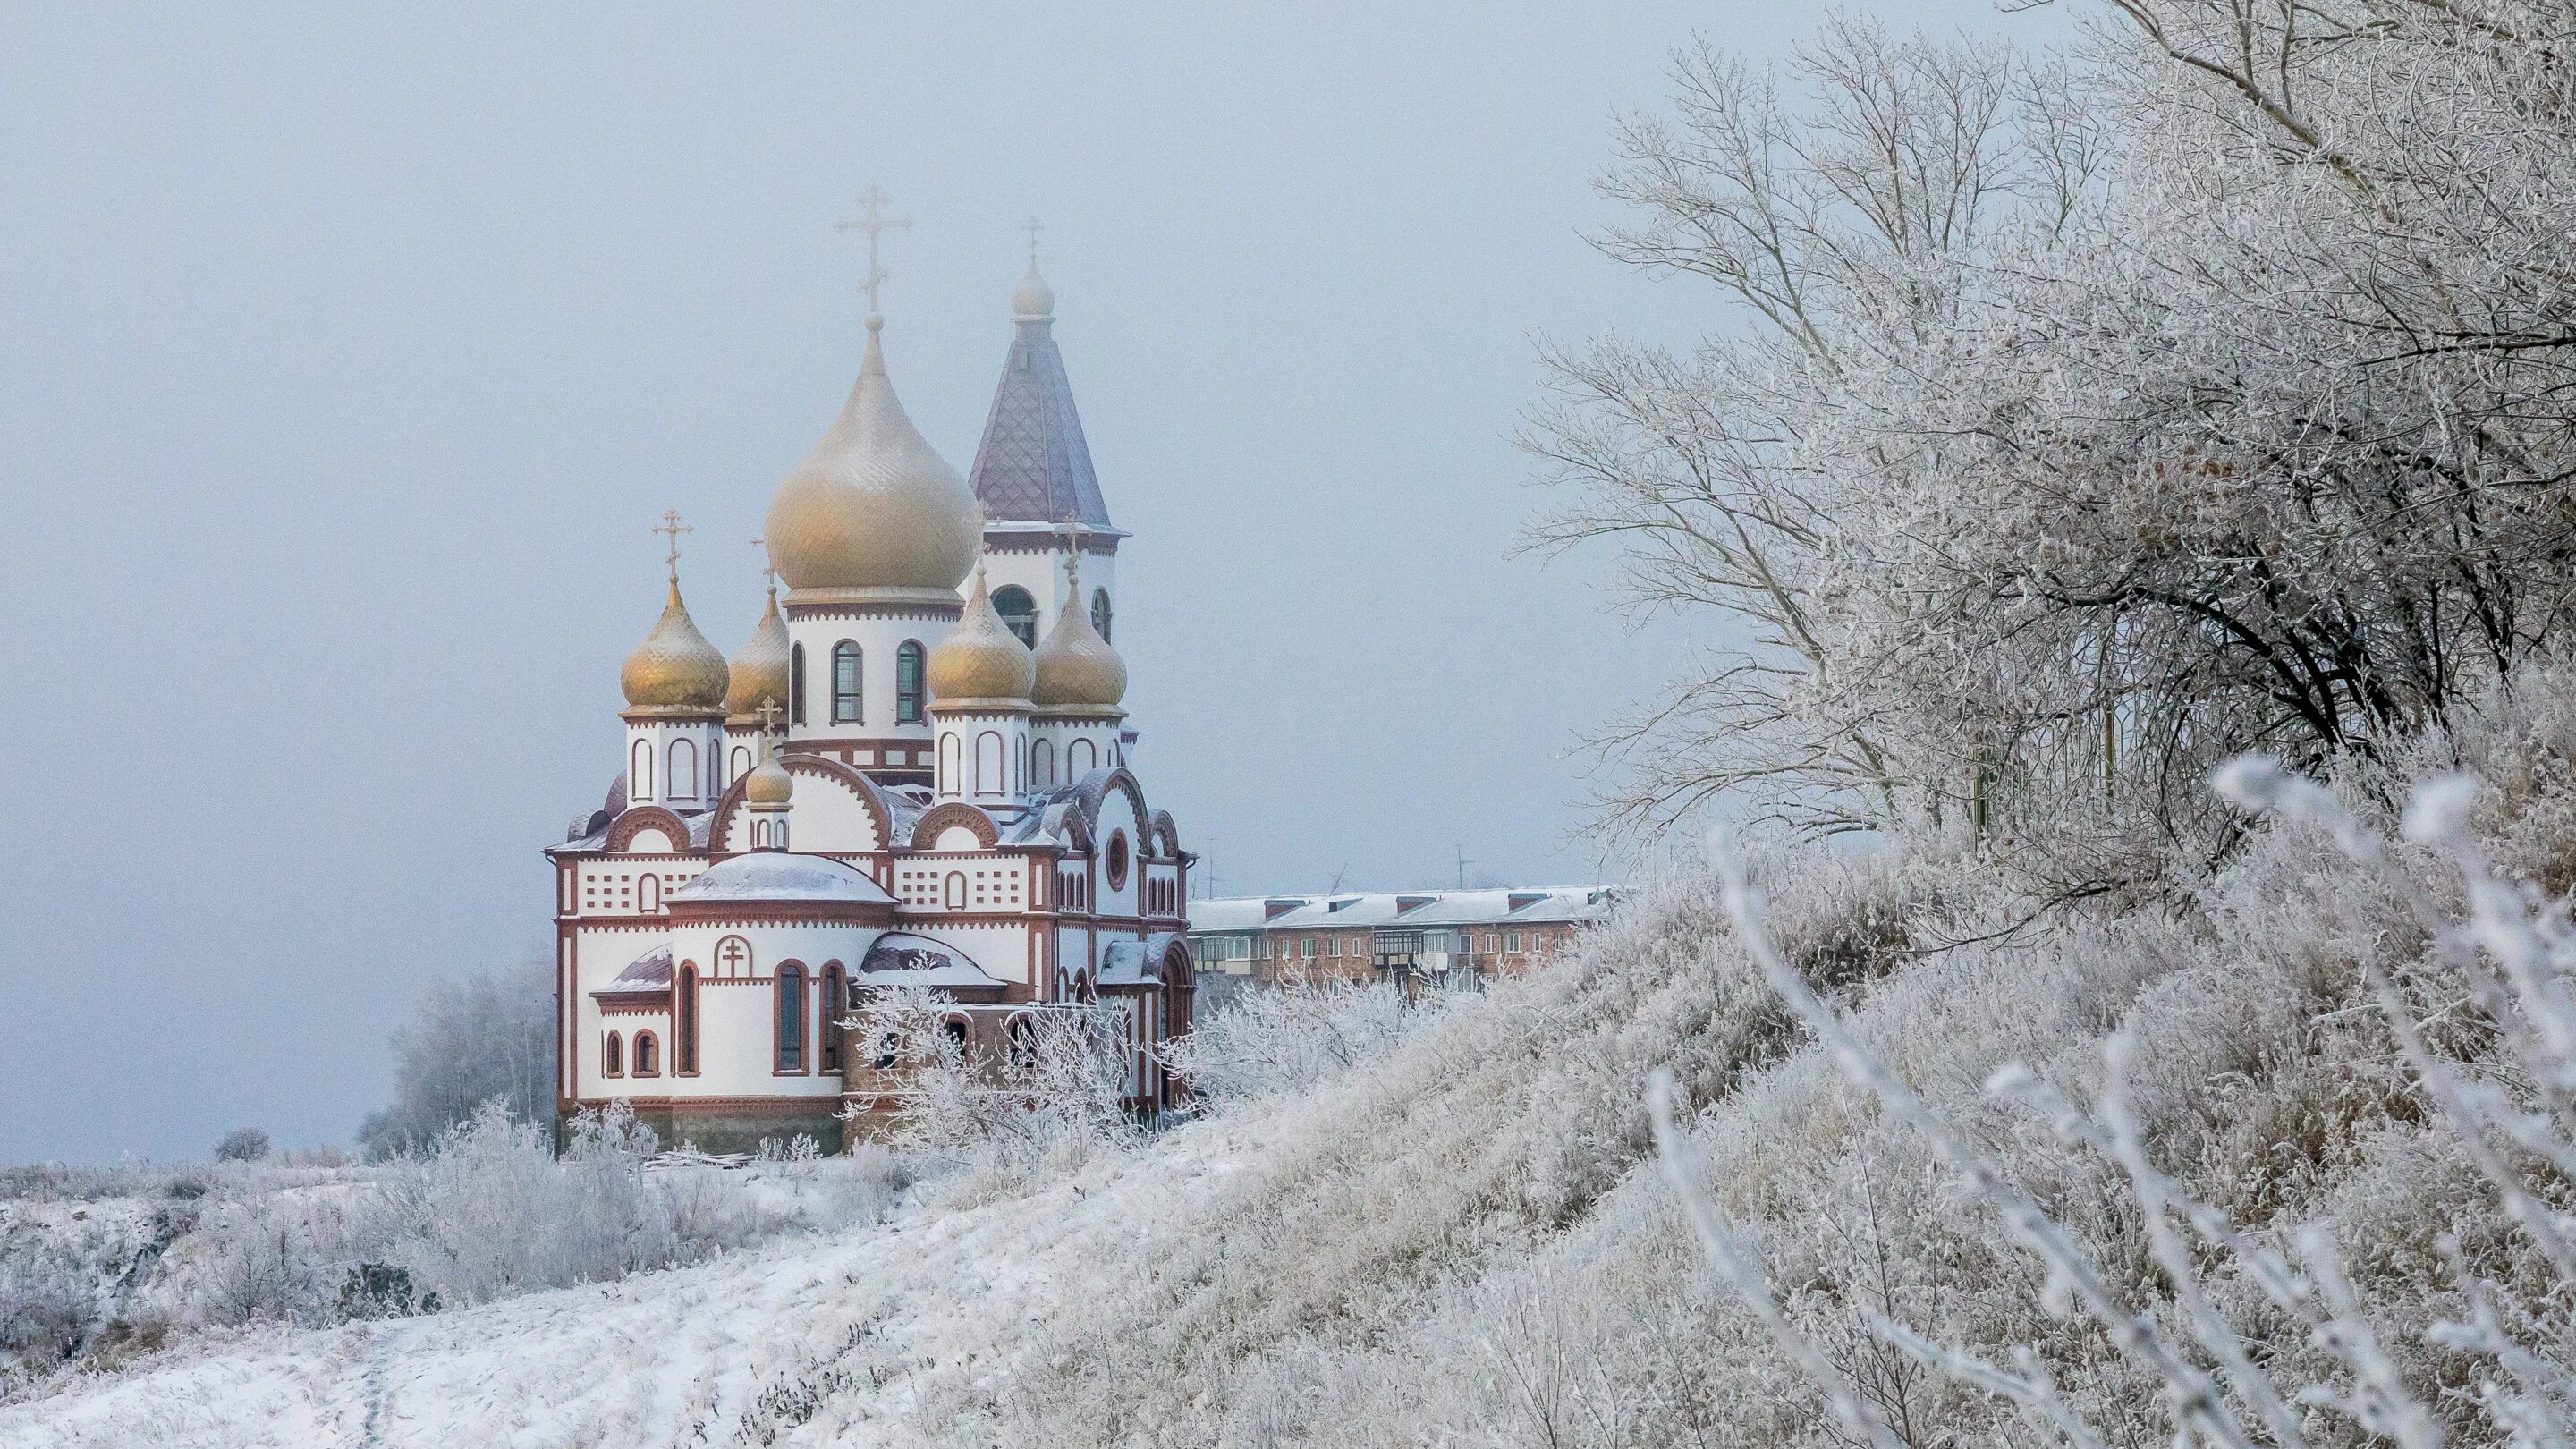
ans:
(482, 1038)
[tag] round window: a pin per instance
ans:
(1118, 861)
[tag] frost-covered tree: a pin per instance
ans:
(242, 1144)
(2084, 421)
(487, 1037)
(1057, 1079)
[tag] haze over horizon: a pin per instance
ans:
(351, 356)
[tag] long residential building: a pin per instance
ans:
(1449, 936)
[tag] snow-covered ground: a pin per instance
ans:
(712, 1353)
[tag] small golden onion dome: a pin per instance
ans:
(768, 783)
(1032, 300)
(675, 669)
(1075, 665)
(874, 505)
(981, 658)
(760, 669)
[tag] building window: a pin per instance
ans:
(648, 1056)
(955, 1031)
(955, 895)
(1512, 941)
(791, 1018)
(741, 765)
(845, 683)
(907, 682)
(684, 1020)
(796, 684)
(1118, 860)
(612, 1057)
(836, 1004)
(639, 774)
(1100, 612)
(1306, 948)
(648, 894)
(1019, 611)
(1332, 945)
(988, 763)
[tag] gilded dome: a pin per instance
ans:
(1032, 300)
(1075, 665)
(760, 669)
(873, 505)
(981, 658)
(675, 670)
(768, 782)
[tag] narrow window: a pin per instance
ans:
(639, 774)
(1045, 771)
(1100, 612)
(1019, 611)
(907, 682)
(949, 784)
(835, 1006)
(955, 1031)
(845, 683)
(612, 1058)
(791, 1018)
(988, 763)
(648, 1055)
(684, 1013)
(796, 685)
(648, 894)
(684, 770)
(956, 891)
(740, 767)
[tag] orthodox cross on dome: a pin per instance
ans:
(1033, 226)
(873, 220)
(673, 528)
(1073, 550)
(768, 570)
(768, 713)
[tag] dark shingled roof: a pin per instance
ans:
(1033, 464)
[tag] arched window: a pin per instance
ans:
(1100, 612)
(1080, 758)
(796, 684)
(988, 763)
(612, 1057)
(836, 1004)
(648, 1055)
(948, 764)
(684, 770)
(955, 1031)
(740, 766)
(791, 1018)
(956, 890)
(684, 1020)
(648, 893)
(1019, 611)
(1043, 771)
(639, 774)
(845, 683)
(907, 682)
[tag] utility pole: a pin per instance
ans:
(1463, 863)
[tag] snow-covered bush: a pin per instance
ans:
(1288, 1037)
(1057, 1086)
(471, 1041)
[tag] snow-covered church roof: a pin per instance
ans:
(766, 875)
(900, 958)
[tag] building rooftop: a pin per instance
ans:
(1404, 909)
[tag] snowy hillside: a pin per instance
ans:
(1465, 1237)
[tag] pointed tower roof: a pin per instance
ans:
(1033, 465)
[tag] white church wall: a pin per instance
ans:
(879, 641)
(1042, 575)
(824, 816)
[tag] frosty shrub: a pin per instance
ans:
(242, 1144)
(1289, 1037)
(486, 1037)
(1060, 1085)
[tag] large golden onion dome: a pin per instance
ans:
(1076, 667)
(981, 658)
(675, 670)
(874, 505)
(760, 668)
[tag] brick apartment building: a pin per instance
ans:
(1435, 936)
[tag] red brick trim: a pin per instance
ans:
(640, 817)
(926, 830)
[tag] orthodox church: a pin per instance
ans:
(914, 773)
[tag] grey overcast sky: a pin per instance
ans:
(346, 355)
